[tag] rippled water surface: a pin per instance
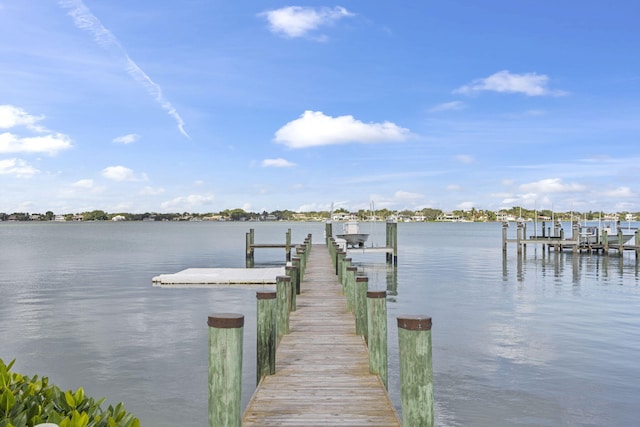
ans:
(545, 340)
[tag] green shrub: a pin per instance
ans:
(26, 402)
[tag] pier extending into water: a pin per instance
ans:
(390, 249)
(321, 352)
(583, 239)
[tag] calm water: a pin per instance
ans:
(548, 340)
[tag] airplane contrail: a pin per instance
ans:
(85, 20)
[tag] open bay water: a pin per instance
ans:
(547, 340)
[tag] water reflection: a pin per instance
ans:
(612, 268)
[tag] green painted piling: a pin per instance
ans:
(377, 324)
(292, 272)
(300, 253)
(350, 288)
(295, 261)
(283, 290)
(361, 288)
(342, 277)
(637, 242)
(266, 334)
(225, 369)
(340, 256)
(416, 371)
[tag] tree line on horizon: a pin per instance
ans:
(425, 214)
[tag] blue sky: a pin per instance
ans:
(203, 105)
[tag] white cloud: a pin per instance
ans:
(454, 187)
(618, 192)
(51, 144)
(551, 185)
(121, 173)
(17, 167)
(277, 163)
(188, 203)
(530, 84)
(465, 206)
(85, 20)
(45, 141)
(83, 183)
(407, 196)
(449, 106)
(127, 139)
(465, 158)
(151, 191)
(313, 128)
(297, 21)
(12, 116)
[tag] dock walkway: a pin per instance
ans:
(322, 367)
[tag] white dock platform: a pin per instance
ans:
(220, 276)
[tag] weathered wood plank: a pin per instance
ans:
(322, 367)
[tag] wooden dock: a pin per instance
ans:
(322, 367)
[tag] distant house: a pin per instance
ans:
(448, 217)
(59, 218)
(118, 218)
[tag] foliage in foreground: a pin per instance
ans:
(26, 402)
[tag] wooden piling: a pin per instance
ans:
(225, 369)
(377, 329)
(292, 272)
(361, 288)
(283, 290)
(266, 334)
(350, 288)
(416, 371)
(295, 261)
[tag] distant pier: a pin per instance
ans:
(582, 239)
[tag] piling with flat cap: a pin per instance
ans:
(362, 286)
(266, 334)
(377, 324)
(249, 252)
(225, 369)
(350, 288)
(292, 272)
(296, 263)
(340, 255)
(283, 290)
(416, 371)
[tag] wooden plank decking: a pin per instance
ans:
(322, 367)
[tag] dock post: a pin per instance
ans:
(292, 272)
(349, 288)
(283, 290)
(288, 244)
(362, 286)
(301, 255)
(637, 242)
(620, 242)
(225, 369)
(575, 236)
(296, 263)
(605, 241)
(328, 232)
(505, 225)
(249, 249)
(342, 277)
(377, 323)
(340, 255)
(392, 242)
(416, 371)
(519, 231)
(266, 334)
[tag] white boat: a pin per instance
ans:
(352, 235)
